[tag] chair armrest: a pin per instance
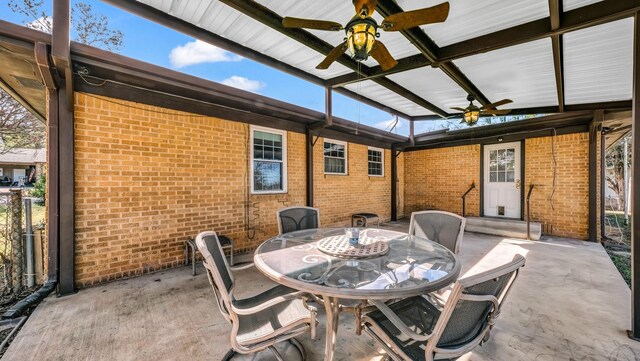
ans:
(266, 300)
(397, 322)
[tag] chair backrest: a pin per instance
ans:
(218, 270)
(472, 308)
(297, 218)
(442, 227)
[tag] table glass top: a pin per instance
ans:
(412, 265)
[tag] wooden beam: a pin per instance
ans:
(598, 117)
(431, 51)
(53, 198)
(309, 166)
(612, 105)
(635, 186)
(271, 19)
(44, 66)
(408, 63)
(582, 17)
(328, 107)
(172, 22)
(61, 46)
(555, 11)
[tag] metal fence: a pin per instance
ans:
(17, 261)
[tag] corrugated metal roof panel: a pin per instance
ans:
(471, 18)
(432, 84)
(574, 4)
(523, 73)
(372, 90)
(231, 24)
(598, 63)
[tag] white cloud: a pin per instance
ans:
(198, 52)
(44, 24)
(244, 83)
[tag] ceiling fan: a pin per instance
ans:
(472, 113)
(362, 31)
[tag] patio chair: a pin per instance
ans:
(442, 227)
(297, 218)
(403, 328)
(259, 322)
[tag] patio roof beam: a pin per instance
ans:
(177, 24)
(635, 186)
(61, 45)
(271, 19)
(431, 52)
(583, 17)
(617, 105)
(555, 10)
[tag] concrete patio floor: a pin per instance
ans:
(570, 303)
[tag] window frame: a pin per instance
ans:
(346, 156)
(282, 133)
(381, 161)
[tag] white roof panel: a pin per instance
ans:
(574, 4)
(598, 63)
(434, 85)
(372, 90)
(232, 24)
(523, 73)
(471, 18)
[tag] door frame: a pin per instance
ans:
(522, 177)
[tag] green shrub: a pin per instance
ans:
(40, 189)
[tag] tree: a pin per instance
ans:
(18, 127)
(88, 26)
(615, 168)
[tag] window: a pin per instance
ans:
(502, 165)
(269, 160)
(376, 162)
(335, 157)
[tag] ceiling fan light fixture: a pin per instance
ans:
(361, 35)
(471, 117)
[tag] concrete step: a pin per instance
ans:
(503, 227)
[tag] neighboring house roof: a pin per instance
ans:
(24, 156)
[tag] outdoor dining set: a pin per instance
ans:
(403, 288)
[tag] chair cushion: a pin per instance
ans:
(418, 314)
(273, 321)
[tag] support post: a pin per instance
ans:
(309, 141)
(394, 184)
(602, 182)
(635, 198)
(412, 136)
(593, 176)
(328, 106)
(60, 52)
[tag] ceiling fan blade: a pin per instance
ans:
(332, 56)
(382, 56)
(311, 24)
(369, 5)
(497, 104)
(460, 109)
(495, 112)
(414, 18)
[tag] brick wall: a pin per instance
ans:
(437, 178)
(569, 215)
(339, 196)
(147, 178)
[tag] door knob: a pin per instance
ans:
(517, 183)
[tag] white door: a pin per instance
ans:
(502, 180)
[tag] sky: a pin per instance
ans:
(159, 45)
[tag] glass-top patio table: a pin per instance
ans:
(388, 265)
